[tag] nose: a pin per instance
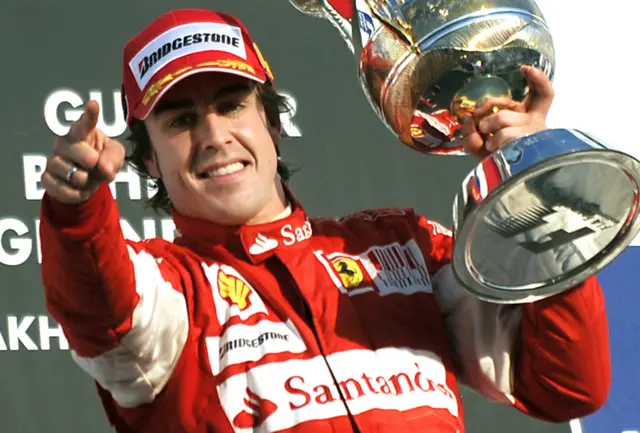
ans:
(213, 131)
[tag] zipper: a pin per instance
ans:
(307, 316)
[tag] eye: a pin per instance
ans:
(183, 120)
(228, 107)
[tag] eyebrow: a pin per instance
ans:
(178, 104)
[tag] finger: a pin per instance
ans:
(473, 141)
(80, 153)
(502, 119)
(504, 137)
(541, 93)
(62, 191)
(60, 169)
(493, 104)
(111, 160)
(86, 124)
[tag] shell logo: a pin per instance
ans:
(234, 290)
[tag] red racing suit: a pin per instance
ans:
(306, 325)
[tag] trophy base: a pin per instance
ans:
(542, 214)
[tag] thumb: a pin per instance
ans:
(82, 128)
(111, 160)
(541, 91)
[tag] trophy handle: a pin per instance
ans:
(314, 8)
(337, 12)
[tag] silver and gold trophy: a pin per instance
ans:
(536, 217)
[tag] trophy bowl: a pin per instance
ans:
(430, 62)
(424, 64)
(543, 213)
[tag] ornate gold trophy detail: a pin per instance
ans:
(539, 215)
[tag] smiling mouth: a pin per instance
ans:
(223, 171)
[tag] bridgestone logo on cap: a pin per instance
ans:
(184, 40)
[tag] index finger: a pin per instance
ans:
(473, 142)
(541, 91)
(82, 128)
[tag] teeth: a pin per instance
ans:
(227, 169)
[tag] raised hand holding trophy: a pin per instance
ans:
(540, 214)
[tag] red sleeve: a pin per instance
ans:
(561, 361)
(88, 277)
(437, 242)
(563, 366)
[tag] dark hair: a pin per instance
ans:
(141, 149)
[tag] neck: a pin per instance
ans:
(277, 209)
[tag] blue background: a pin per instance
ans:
(622, 410)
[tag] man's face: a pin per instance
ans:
(214, 150)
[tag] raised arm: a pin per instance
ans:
(549, 359)
(88, 277)
(122, 312)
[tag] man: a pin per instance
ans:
(258, 318)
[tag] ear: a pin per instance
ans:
(152, 166)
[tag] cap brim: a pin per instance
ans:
(144, 110)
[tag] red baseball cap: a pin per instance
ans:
(181, 43)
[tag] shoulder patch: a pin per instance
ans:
(384, 269)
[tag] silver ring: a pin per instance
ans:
(70, 173)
